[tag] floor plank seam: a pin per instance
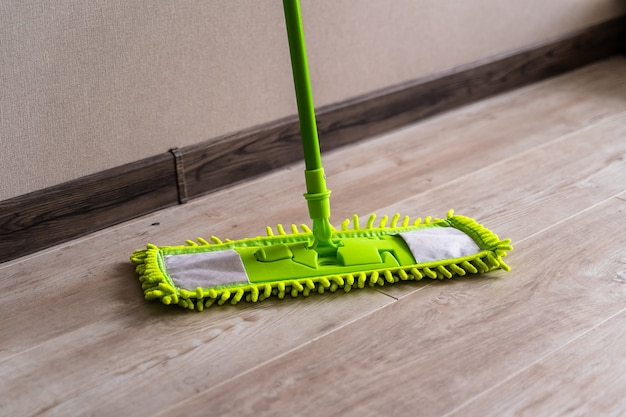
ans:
(269, 361)
(395, 298)
(542, 357)
(78, 329)
(565, 219)
(503, 161)
(50, 340)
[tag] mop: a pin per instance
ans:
(304, 260)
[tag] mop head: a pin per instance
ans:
(204, 273)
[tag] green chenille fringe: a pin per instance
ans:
(158, 285)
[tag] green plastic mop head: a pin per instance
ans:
(201, 274)
(321, 258)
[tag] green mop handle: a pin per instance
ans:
(317, 195)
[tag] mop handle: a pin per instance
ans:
(301, 79)
(317, 195)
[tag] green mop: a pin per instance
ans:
(302, 260)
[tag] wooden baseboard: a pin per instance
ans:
(57, 214)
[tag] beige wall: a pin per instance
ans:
(87, 86)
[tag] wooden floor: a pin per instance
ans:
(544, 165)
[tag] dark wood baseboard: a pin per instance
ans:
(41, 219)
(57, 214)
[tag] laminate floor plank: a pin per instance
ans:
(587, 377)
(140, 363)
(435, 349)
